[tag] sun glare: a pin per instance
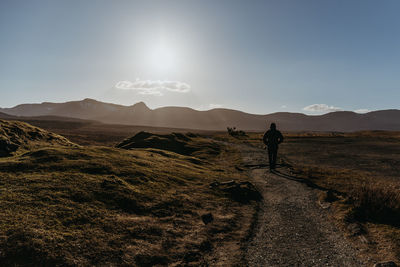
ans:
(163, 57)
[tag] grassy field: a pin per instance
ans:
(359, 175)
(358, 172)
(90, 203)
(66, 204)
(96, 133)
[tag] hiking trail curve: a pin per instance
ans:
(291, 228)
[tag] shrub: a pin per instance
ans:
(379, 204)
(233, 132)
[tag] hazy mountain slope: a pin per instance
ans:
(215, 119)
(6, 116)
(85, 109)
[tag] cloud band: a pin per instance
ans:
(148, 87)
(321, 108)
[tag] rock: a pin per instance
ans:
(324, 205)
(385, 264)
(328, 196)
(239, 191)
(207, 218)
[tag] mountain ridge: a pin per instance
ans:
(213, 119)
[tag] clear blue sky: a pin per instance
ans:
(257, 56)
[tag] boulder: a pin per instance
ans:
(239, 191)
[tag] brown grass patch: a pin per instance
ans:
(62, 205)
(362, 171)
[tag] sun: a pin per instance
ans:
(163, 57)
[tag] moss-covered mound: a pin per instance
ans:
(18, 136)
(185, 144)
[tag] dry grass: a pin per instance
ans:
(74, 205)
(85, 132)
(18, 137)
(362, 169)
(378, 203)
(360, 174)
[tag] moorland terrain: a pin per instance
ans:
(115, 195)
(66, 204)
(357, 179)
(364, 169)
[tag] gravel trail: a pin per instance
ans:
(292, 229)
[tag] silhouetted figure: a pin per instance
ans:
(272, 138)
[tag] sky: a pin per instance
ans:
(308, 56)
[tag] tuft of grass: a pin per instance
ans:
(378, 203)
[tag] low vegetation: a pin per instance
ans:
(171, 198)
(18, 137)
(88, 133)
(188, 144)
(236, 133)
(378, 203)
(358, 176)
(362, 171)
(65, 204)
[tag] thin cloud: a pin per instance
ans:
(321, 108)
(148, 87)
(362, 110)
(209, 106)
(212, 106)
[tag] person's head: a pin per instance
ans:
(273, 126)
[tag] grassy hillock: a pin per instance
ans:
(62, 204)
(17, 137)
(184, 144)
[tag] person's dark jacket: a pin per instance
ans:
(272, 138)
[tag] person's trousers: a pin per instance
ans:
(272, 155)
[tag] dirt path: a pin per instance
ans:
(292, 229)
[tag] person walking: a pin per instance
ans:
(272, 138)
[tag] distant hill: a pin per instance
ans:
(6, 116)
(215, 119)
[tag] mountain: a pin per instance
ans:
(6, 116)
(214, 119)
